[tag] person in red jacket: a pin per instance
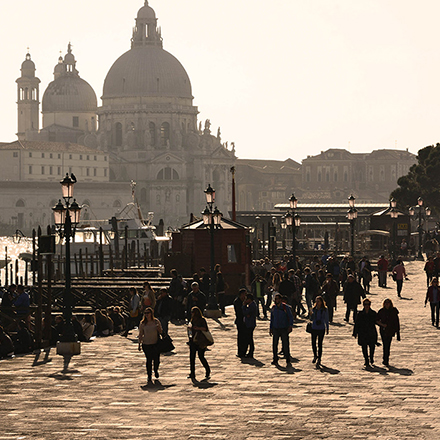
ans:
(433, 295)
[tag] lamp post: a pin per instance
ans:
(422, 214)
(352, 214)
(293, 220)
(66, 218)
(212, 218)
(393, 213)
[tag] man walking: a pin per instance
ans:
(281, 323)
(239, 322)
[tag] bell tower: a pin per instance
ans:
(28, 99)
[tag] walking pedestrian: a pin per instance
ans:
(197, 324)
(281, 323)
(430, 270)
(365, 330)
(239, 322)
(250, 322)
(149, 331)
(329, 293)
(164, 309)
(399, 274)
(382, 269)
(389, 325)
(257, 288)
(320, 325)
(353, 292)
(433, 295)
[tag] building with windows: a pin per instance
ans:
(147, 128)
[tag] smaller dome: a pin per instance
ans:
(146, 13)
(28, 66)
(69, 93)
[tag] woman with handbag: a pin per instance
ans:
(149, 331)
(197, 342)
(320, 326)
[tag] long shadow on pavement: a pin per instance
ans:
(156, 386)
(203, 384)
(401, 371)
(328, 370)
(289, 370)
(252, 361)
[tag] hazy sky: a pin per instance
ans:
(282, 78)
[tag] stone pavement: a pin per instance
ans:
(103, 394)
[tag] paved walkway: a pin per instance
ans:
(103, 395)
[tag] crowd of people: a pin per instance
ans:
(281, 292)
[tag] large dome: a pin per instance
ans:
(147, 71)
(69, 93)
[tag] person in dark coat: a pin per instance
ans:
(196, 298)
(329, 292)
(287, 288)
(23, 342)
(389, 324)
(352, 296)
(365, 330)
(257, 287)
(250, 322)
(205, 280)
(164, 309)
(239, 322)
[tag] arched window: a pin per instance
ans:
(86, 202)
(117, 204)
(164, 134)
(118, 134)
(152, 129)
(167, 173)
(20, 203)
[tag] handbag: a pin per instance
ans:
(203, 339)
(165, 344)
(309, 327)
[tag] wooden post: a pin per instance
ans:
(126, 246)
(86, 264)
(101, 253)
(110, 255)
(48, 308)
(34, 256)
(145, 255)
(76, 266)
(91, 265)
(81, 269)
(16, 271)
(6, 267)
(138, 254)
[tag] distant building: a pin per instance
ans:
(263, 183)
(336, 173)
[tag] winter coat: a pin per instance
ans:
(365, 327)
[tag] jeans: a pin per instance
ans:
(386, 343)
(317, 335)
(241, 340)
(435, 307)
(382, 278)
(282, 333)
(263, 306)
(399, 284)
(153, 358)
(193, 350)
(347, 313)
(249, 341)
(164, 321)
(365, 353)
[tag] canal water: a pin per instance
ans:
(12, 251)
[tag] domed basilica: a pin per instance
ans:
(147, 124)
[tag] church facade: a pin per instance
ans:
(147, 125)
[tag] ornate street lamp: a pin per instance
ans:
(352, 214)
(212, 218)
(393, 212)
(66, 218)
(417, 212)
(293, 220)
